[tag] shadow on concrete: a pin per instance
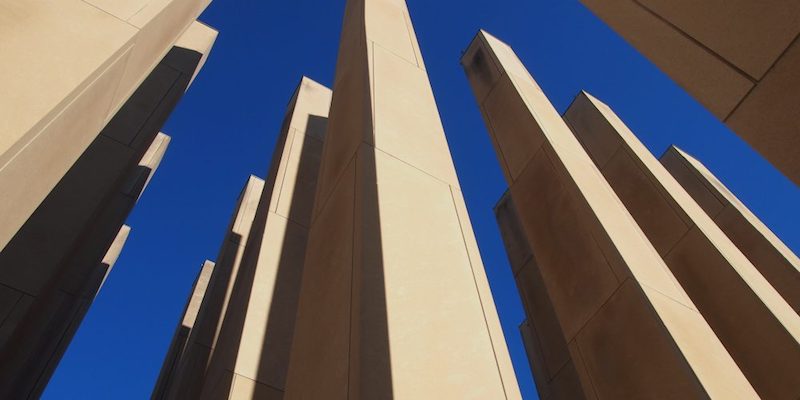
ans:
(57, 252)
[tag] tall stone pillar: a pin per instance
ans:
(254, 319)
(737, 58)
(50, 259)
(776, 262)
(68, 67)
(394, 299)
(252, 354)
(187, 379)
(178, 346)
(631, 330)
(738, 303)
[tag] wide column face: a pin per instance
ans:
(394, 299)
(190, 370)
(773, 259)
(555, 374)
(66, 82)
(738, 58)
(752, 320)
(251, 356)
(630, 329)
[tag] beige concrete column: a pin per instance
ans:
(779, 265)
(631, 330)
(51, 258)
(394, 300)
(752, 320)
(187, 380)
(251, 356)
(738, 58)
(179, 340)
(68, 67)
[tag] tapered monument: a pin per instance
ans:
(394, 300)
(630, 329)
(779, 265)
(245, 325)
(738, 58)
(756, 325)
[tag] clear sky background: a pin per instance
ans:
(226, 127)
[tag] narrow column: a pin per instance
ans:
(631, 330)
(189, 375)
(177, 347)
(738, 303)
(251, 356)
(779, 265)
(394, 300)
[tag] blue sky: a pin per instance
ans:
(226, 127)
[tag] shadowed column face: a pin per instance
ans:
(53, 257)
(738, 58)
(752, 320)
(394, 299)
(36, 341)
(548, 354)
(630, 329)
(779, 265)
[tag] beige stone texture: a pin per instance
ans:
(394, 300)
(773, 259)
(631, 330)
(63, 83)
(737, 57)
(756, 325)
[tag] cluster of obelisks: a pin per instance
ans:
(352, 270)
